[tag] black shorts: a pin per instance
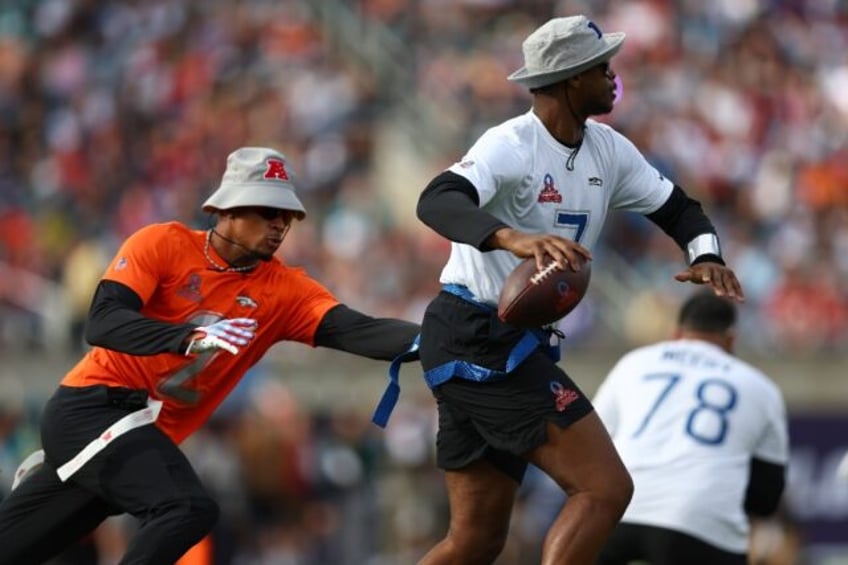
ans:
(661, 546)
(502, 419)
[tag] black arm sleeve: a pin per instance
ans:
(451, 207)
(683, 219)
(765, 487)
(115, 322)
(345, 329)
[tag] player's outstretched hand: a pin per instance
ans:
(228, 335)
(720, 278)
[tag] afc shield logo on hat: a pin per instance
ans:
(276, 169)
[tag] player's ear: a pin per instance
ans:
(729, 340)
(572, 82)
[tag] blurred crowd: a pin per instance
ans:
(114, 115)
(743, 103)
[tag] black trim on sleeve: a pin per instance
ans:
(450, 206)
(115, 322)
(349, 330)
(683, 219)
(707, 258)
(765, 487)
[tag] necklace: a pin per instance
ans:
(218, 267)
(569, 163)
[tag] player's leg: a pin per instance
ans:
(141, 472)
(583, 461)
(481, 499)
(145, 474)
(43, 516)
(481, 483)
(574, 449)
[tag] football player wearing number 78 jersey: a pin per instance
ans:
(177, 319)
(704, 436)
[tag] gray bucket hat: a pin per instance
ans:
(562, 48)
(256, 176)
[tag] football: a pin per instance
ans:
(531, 298)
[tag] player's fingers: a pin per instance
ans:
(697, 274)
(685, 276)
(223, 344)
(233, 334)
(240, 332)
(722, 280)
(571, 261)
(237, 329)
(569, 254)
(555, 253)
(731, 286)
(244, 322)
(542, 257)
(575, 250)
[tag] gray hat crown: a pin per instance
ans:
(562, 48)
(256, 176)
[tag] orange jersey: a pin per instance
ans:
(166, 266)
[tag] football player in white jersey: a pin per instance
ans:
(540, 183)
(704, 436)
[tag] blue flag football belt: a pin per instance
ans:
(529, 342)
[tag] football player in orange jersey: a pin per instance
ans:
(178, 318)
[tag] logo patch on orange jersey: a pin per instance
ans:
(246, 301)
(191, 289)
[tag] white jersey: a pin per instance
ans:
(686, 418)
(520, 173)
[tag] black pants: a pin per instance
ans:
(142, 473)
(660, 546)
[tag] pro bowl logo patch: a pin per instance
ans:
(562, 396)
(563, 289)
(549, 191)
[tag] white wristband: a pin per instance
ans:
(704, 244)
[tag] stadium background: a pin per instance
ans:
(117, 114)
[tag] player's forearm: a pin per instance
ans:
(684, 220)
(114, 322)
(449, 205)
(345, 329)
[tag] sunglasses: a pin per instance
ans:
(270, 214)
